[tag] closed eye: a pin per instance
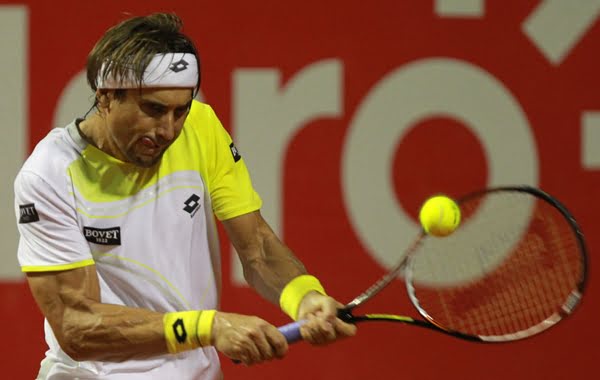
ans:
(153, 109)
(182, 111)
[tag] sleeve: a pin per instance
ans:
(50, 238)
(230, 186)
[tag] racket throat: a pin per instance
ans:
(346, 315)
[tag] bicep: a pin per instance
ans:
(87, 329)
(58, 293)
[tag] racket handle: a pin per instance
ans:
(291, 331)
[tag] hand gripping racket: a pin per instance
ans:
(515, 267)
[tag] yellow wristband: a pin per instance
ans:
(186, 330)
(181, 330)
(205, 324)
(294, 292)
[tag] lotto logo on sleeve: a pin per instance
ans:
(235, 153)
(28, 214)
(104, 236)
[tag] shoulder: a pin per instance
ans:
(201, 110)
(204, 128)
(202, 117)
(50, 158)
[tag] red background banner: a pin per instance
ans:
(492, 105)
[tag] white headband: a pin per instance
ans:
(165, 70)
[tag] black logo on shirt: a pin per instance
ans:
(192, 205)
(178, 66)
(235, 153)
(28, 214)
(104, 236)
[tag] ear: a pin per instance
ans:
(103, 98)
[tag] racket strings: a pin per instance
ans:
(509, 269)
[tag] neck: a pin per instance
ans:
(94, 131)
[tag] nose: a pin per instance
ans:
(166, 130)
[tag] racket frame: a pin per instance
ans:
(571, 302)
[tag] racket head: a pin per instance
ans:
(515, 267)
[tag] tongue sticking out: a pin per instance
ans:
(147, 142)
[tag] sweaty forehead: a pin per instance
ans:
(165, 96)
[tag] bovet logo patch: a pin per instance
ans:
(104, 236)
(28, 214)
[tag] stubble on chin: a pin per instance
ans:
(145, 161)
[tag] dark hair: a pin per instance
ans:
(129, 46)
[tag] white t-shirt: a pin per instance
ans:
(149, 231)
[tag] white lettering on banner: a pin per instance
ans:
(14, 69)
(556, 26)
(414, 92)
(460, 8)
(266, 118)
(590, 140)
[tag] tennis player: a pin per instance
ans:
(117, 232)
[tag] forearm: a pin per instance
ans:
(96, 331)
(88, 329)
(270, 268)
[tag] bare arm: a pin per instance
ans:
(269, 266)
(268, 263)
(89, 330)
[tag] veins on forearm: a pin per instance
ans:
(272, 268)
(96, 331)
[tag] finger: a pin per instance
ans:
(263, 345)
(307, 329)
(245, 360)
(307, 334)
(318, 331)
(277, 341)
(330, 309)
(325, 331)
(344, 329)
(239, 355)
(251, 352)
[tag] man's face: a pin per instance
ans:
(144, 124)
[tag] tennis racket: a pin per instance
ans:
(515, 267)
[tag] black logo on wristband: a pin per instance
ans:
(179, 331)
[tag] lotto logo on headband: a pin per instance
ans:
(178, 70)
(179, 66)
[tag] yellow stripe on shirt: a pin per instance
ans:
(58, 267)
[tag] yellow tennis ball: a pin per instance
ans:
(439, 216)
